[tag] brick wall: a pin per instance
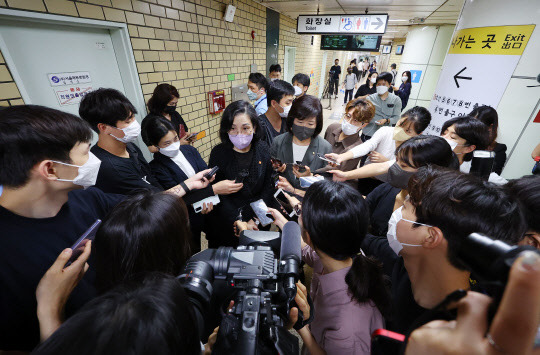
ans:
(396, 58)
(186, 44)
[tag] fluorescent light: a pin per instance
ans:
(391, 31)
(398, 20)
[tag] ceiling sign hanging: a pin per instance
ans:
(342, 24)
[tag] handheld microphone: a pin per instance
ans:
(290, 256)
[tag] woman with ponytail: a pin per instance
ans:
(348, 289)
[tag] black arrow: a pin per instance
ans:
(379, 23)
(456, 77)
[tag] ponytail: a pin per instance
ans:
(366, 282)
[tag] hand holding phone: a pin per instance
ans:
(211, 173)
(79, 245)
(284, 202)
(331, 161)
(262, 212)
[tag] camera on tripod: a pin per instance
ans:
(264, 270)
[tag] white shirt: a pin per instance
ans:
(184, 164)
(382, 142)
(494, 178)
(298, 152)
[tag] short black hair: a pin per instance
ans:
(275, 67)
(336, 59)
(424, 150)
(154, 128)
(386, 76)
(305, 107)
(472, 130)
(301, 79)
(527, 191)
(336, 218)
(277, 90)
(419, 116)
(146, 232)
(106, 106)
(393, 65)
(150, 315)
(236, 108)
(460, 204)
(30, 134)
(162, 95)
(370, 74)
(259, 80)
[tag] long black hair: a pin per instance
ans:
(152, 315)
(336, 217)
(146, 232)
(162, 95)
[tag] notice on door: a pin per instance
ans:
(62, 79)
(71, 96)
(476, 71)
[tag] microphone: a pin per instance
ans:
(290, 256)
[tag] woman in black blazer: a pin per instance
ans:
(242, 156)
(174, 163)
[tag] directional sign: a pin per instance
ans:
(467, 77)
(342, 24)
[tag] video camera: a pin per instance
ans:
(266, 287)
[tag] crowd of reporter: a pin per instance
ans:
(381, 236)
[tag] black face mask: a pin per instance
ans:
(169, 109)
(398, 177)
(302, 133)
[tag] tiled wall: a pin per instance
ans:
(187, 44)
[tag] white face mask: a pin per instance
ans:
(381, 90)
(453, 144)
(285, 112)
(88, 172)
(393, 241)
(131, 132)
(273, 79)
(373, 80)
(404, 78)
(171, 151)
(297, 91)
(348, 128)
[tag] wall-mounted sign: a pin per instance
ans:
(61, 79)
(386, 49)
(399, 50)
(474, 55)
(342, 24)
(366, 43)
(71, 96)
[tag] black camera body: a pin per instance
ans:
(265, 285)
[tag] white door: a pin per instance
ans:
(45, 54)
(290, 55)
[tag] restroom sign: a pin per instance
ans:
(62, 79)
(71, 96)
(342, 24)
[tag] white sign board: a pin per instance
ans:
(71, 96)
(342, 24)
(476, 71)
(61, 79)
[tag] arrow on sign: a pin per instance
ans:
(379, 23)
(456, 77)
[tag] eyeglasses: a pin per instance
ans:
(244, 130)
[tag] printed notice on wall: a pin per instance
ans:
(71, 96)
(61, 79)
(476, 71)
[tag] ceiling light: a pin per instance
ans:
(399, 20)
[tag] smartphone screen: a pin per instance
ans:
(322, 157)
(79, 245)
(284, 202)
(261, 211)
